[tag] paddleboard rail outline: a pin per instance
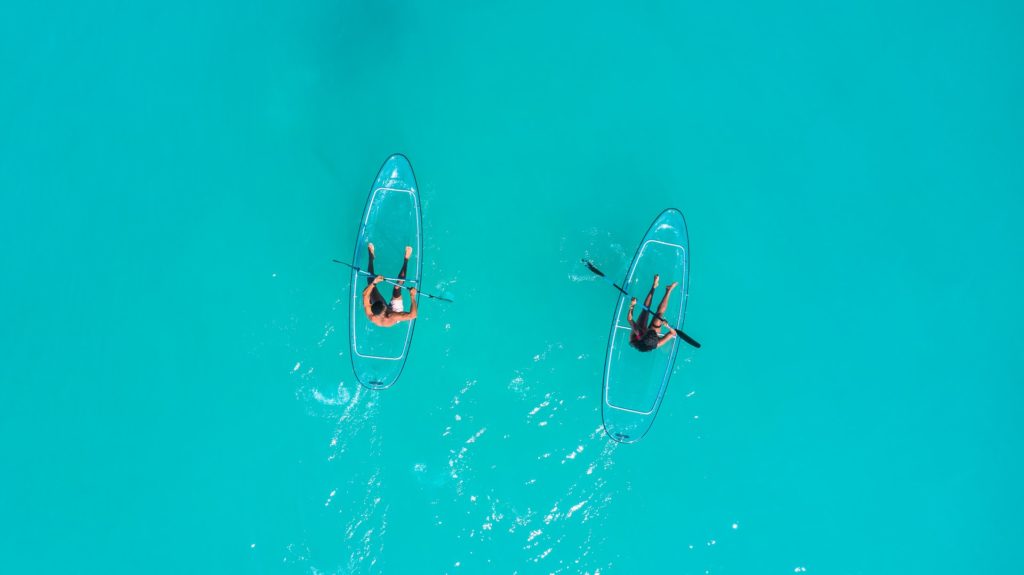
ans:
(641, 417)
(358, 275)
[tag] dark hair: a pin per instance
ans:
(648, 342)
(377, 307)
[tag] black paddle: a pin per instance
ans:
(590, 265)
(390, 281)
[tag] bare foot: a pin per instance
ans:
(408, 251)
(656, 279)
(369, 248)
(671, 286)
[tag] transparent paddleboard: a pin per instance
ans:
(635, 381)
(391, 220)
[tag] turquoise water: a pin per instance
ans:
(176, 392)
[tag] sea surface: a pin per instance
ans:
(176, 394)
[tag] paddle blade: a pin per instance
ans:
(591, 267)
(688, 339)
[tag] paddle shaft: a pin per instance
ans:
(392, 281)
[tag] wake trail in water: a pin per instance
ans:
(548, 505)
(577, 511)
(355, 440)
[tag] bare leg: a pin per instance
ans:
(663, 305)
(650, 294)
(397, 292)
(369, 266)
(642, 322)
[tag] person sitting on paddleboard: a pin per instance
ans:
(647, 337)
(378, 310)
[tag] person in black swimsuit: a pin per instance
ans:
(644, 336)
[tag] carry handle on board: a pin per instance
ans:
(590, 265)
(392, 281)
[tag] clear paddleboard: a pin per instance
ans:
(635, 381)
(392, 221)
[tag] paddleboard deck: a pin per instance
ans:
(635, 381)
(392, 221)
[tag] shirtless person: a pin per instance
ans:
(648, 337)
(377, 309)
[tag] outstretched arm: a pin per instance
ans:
(629, 316)
(366, 299)
(664, 339)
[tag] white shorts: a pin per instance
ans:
(396, 305)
